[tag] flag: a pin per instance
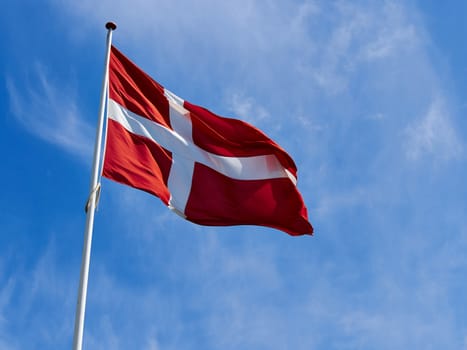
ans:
(209, 169)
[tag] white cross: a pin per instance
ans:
(185, 153)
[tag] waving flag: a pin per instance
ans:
(209, 169)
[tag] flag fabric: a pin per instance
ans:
(209, 169)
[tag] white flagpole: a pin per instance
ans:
(91, 204)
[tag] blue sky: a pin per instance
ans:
(369, 97)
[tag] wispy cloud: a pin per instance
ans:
(38, 300)
(246, 108)
(433, 135)
(360, 34)
(50, 112)
(394, 34)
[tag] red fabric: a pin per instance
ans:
(135, 161)
(217, 200)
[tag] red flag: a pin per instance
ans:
(209, 169)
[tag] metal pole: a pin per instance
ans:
(91, 205)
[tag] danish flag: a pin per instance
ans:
(209, 169)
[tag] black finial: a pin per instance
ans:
(111, 25)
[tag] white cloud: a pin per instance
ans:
(36, 302)
(152, 343)
(395, 34)
(433, 135)
(51, 113)
(246, 108)
(361, 34)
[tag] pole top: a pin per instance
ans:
(111, 26)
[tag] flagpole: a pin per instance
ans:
(91, 204)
